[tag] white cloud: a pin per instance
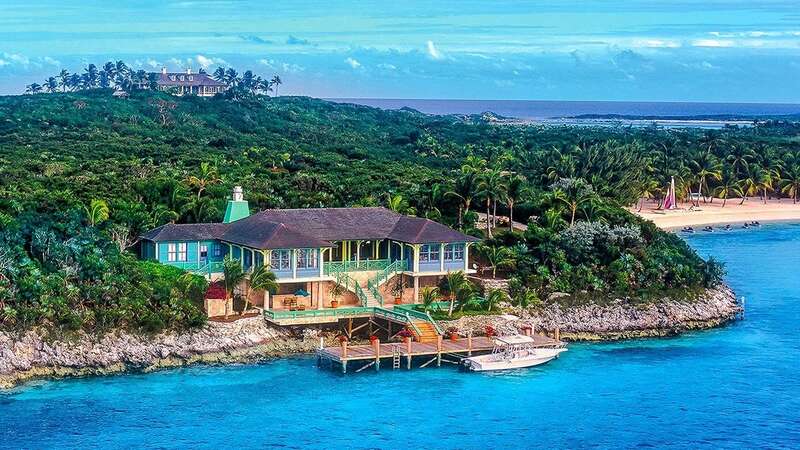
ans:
(205, 61)
(153, 63)
(352, 62)
(51, 61)
(3, 62)
(712, 43)
(434, 52)
(282, 66)
(16, 59)
(387, 66)
(656, 43)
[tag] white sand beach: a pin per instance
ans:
(733, 213)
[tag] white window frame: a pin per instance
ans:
(172, 252)
(454, 252)
(281, 260)
(216, 249)
(183, 252)
(306, 258)
(429, 253)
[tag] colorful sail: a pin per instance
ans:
(669, 201)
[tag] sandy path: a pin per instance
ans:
(714, 214)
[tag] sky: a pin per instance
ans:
(627, 50)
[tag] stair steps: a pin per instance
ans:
(427, 332)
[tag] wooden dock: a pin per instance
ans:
(396, 352)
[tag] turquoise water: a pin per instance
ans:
(732, 387)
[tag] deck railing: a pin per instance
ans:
(311, 313)
(356, 266)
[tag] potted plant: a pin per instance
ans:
(372, 339)
(406, 334)
(452, 333)
(397, 290)
(336, 291)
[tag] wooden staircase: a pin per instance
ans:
(427, 332)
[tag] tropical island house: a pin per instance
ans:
(188, 83)
(330, 263)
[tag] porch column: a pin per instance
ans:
(321, 262)
(320, 303)
(441, 257)
(466, 256)
(294, 262)
(358, 251)
(241, 256)
(156, 250)
(416, 289)
(375, 252)
(415, 261)
(344, 249)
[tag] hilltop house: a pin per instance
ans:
(379, 257)
(188, 83)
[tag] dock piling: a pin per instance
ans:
(439, 351)
(408, 353)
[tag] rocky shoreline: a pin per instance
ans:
(32, 356)
(617, 320)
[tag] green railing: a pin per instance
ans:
(311, 313)
(404, 315)
(198, 268)
(356, 266)
(382, 276)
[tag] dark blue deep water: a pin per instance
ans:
(734, 387)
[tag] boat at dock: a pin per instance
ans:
(513, 352)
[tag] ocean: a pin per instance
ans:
(731, 387)
(671, 114)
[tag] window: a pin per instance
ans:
(216, 250)
(203, 252)
(429, 253)
(306, 258)
(182, 256)
(171, 253)
(191, 78)
(280, 260)
(454, 252)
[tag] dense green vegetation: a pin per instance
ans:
(82, 174)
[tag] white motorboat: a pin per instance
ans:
(513, 352)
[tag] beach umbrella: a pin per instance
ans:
(301, 293)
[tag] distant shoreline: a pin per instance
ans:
(712, 214)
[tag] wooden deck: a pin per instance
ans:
(378, 352)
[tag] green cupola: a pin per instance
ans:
(237, 206)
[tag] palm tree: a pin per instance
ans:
(706, 166)
(494, 297)
(496, 256)
(396, 203)
(464, 191)
(51, 84)
(232, 277)
(91, 76)
(573, 192)
(429, 296)
(219, 74)
(791, 182)
(97, 211)
(450, 285)
(262, 279)
(766, 182)
(515, 190)
(276, 81)
(490, 187)
(728, 185)
(63, 80)
(208, 175)
(33, 88)
(648, 189)
(232, 77)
